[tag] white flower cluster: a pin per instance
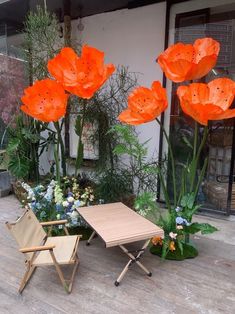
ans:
(50, 190)
(29, 190)
(58, 194)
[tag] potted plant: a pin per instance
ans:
(202, 102)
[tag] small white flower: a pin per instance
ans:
(74, 214)
(58, 216)
(173, 235)
(70, 199)
(65, 203)
(179, 227)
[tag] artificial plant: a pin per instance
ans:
(203, 102)
(46, 100)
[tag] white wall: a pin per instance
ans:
(132, 38)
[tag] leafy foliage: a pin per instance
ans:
(113, 186)
(145, 203)
(204, 228)
(143, 173)
(104, 109)
(42, 41)
(24, 141)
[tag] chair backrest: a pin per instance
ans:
(27, 231)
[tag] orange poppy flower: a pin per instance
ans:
(81, 76)
(204, 102)
(156, 240)
(182, 62)
(46, 101)
(144, 104)
(172, 246)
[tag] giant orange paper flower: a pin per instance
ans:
(81, 76)
(46, 101)
(144, 104)
(210, 101)
(182, 62)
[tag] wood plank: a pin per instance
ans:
(205, 284)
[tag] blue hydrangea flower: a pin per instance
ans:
(59, 207)
(179, 220)
(38, 205)
(77, 203)
(182, 221)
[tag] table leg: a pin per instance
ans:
(91, 237)
(133, 259)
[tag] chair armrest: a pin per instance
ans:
(54, 222)
(37, 248)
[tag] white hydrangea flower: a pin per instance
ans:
(173, 235)
(70, 199)
(58, 194)
(65, 203)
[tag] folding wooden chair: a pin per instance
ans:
(41, 250)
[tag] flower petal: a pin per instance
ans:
(204, 102)
(45, 100)
(145, 104)
(84, 75)
(130, 117)
(188, 62)
(222, 91)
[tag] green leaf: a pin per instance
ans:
(191, 200)
(78, 125)
(19, 166)
(165, 249)
(180, 245)
(188, 200)
(120, 149)
(204, 228)
(187, 142)
(13, 145)
(79, 159)
(32, 137)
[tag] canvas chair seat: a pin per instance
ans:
(64, 251)
(41, 250)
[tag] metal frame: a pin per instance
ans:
(134, 258)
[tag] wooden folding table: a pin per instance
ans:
(117, 225)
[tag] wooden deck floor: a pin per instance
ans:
(202, 285)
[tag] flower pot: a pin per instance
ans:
(5, 183)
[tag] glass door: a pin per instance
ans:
(217, 191)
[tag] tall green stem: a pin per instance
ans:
(172, 159)
(57, 164)
(60, 147)
(196, 158)
(79, 157)
(195, 139)
(167, 200)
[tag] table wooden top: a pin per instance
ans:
(117, 224)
